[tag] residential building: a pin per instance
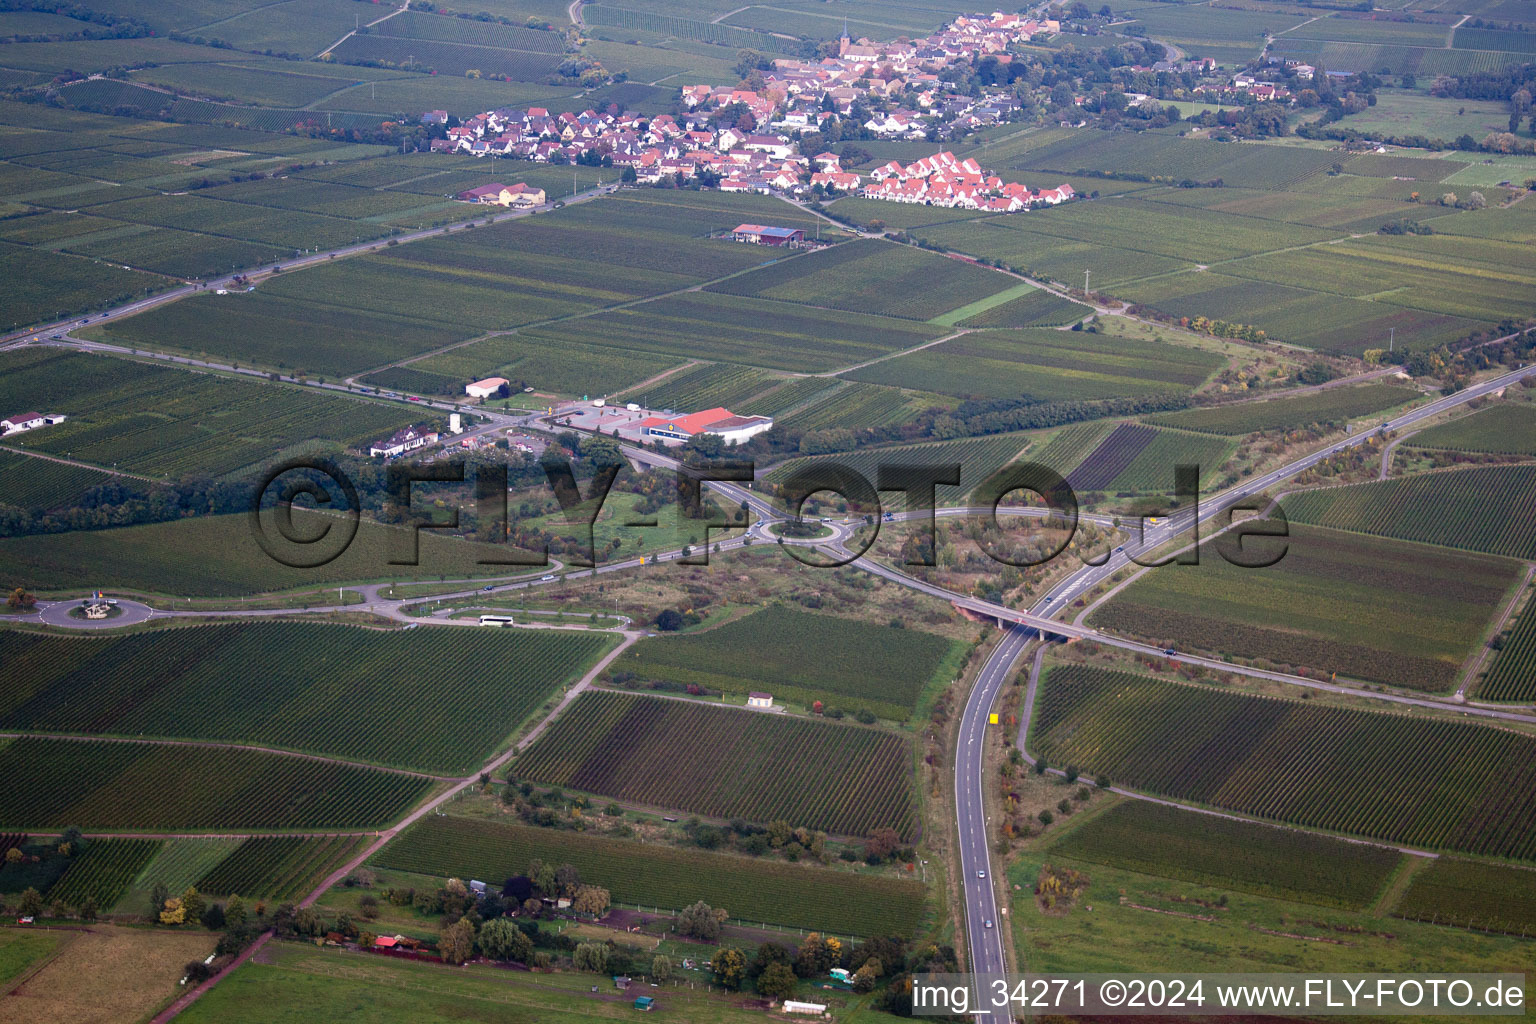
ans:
(16, 424)
(403, 440)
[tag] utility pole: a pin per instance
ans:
(1392, 340)
(1085, 283)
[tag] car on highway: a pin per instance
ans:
(489, 586)
(989, 922)
(1168, 652)
(546, 579)
(981, 874)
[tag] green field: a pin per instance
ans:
(1045, 365)
(877, 667)
(1450, 508)
(1364, 608)
(45, 283)
(167, 421)
(330, 689)
(977, 457)
(1335, 406)
(1513, 675)
(180, 863)
(569, 367)
(42, 483)
(1156, 839)
(871, 276)
(729, 328)
(1136, 458)
(651, 875)
(104, 785)
(1505, 429)
(1375, 774)
(104, 871)
(218, 556)
(280, 868)
(740, 763)
(1469, 894)
(705, 386)
(292, 982)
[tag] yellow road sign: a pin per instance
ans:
(993, 719)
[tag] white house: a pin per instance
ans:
(485, 388)
(757, 699)
(403, 440)
(16, 424)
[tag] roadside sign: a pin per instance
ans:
(992, 718)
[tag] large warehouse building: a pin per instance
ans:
(734, 429)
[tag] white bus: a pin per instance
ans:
(496, 620)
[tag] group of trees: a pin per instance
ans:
(774, 969)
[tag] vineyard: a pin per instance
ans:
(874, 667)
(1469, 894)
(449, 58)
(1513, 676)
(1437, 508)
(333, 689)
(1505, 429)
(180, 863)
(1362, 607)
(104, 871)
(163, 421)
(1448, 784)
(870, 276)
(1111, 458)
(685, 28)
(469, 31)
(1034, 309)
(279, 868)
(704, 387)
(216, 555)
(728, 763)
(756, 332)
(860, 405)
(1045, 365)
(42, 483)
(1335, 406)
(1156, 839)
(791, 392)
(642, 874)
(566, 367)
(978, 458)
(104, 785)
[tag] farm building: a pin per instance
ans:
(485, 388)
(764, 234)
(757, 699)
(498, 194)
(403, 440)
(645, 1003)
(793, 1006)
(732, 428)
(16, 424)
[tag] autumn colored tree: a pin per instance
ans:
(591, 899)
(456, 944)
(729, 965)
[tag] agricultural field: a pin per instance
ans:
(104, 871)
(216, 556)
(871, 276)
(1034, 308)
(280, 868)
(1155, 839)
(569, 367)
(1374, 774)
(42, 483)
(1472, 894)
(977, 457)
(1472, 509)
(853, 406)
(180, 863)
(842, 779)
(101, 785)
(166, 421)
(883, 669)
(1364, 608)
(1333, 406)
(185, 683)
(705, 386)
(757, 332)
(44, 283)
(1136, 458)
(1503, 429)
(457, 59)
(649, 875)
(1513, 675)
(1247, 165)
(1045, 365)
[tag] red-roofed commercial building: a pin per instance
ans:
(763, 234)
(732, 428)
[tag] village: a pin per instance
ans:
(752, 150)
